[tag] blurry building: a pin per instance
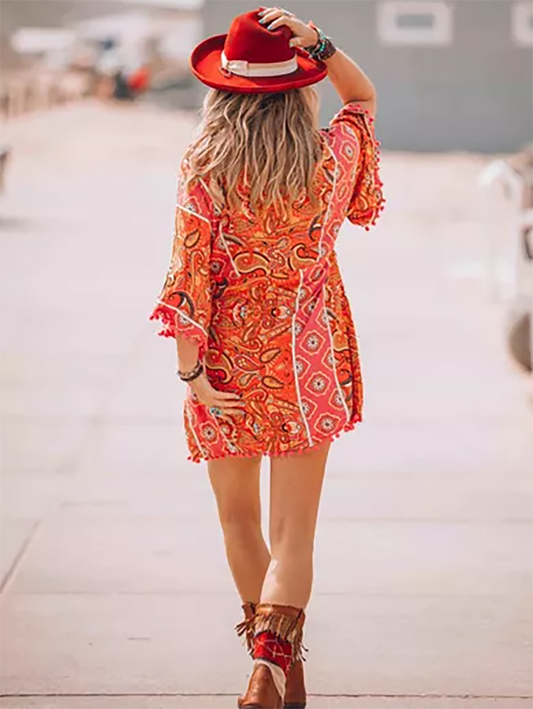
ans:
(28, 27)
(451, 74)
(49, 44)
(161, 37)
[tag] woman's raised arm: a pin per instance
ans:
(349, 80)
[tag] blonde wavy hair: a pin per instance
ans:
(269, 140)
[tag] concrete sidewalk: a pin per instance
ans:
(112, 558)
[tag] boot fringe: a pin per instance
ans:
(287, 626)
(246, 627)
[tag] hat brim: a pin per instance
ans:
(205, 64)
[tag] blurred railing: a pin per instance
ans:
(496, 180)
(26, 92)
(510, 259)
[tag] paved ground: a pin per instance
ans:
(111, 557)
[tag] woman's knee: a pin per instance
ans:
(240, 517)
(236, 487)
(292, 537)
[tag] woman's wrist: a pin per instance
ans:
(316, 37)
(190, 374)
(324, 47)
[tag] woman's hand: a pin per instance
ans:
(303, 35)
(228, 403)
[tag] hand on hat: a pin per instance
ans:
(303, 35)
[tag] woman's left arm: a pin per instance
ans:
(184, 305)
(188, 352)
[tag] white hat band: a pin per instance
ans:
(244, 68)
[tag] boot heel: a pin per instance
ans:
(295, 694)
(261, 692)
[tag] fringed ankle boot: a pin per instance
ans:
(278, 654)
(295, 692)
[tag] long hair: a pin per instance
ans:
(269, 140)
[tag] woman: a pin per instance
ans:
(256, 303)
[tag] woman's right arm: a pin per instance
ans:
(350, 82)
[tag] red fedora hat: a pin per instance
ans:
(253, 59)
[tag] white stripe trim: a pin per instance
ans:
(188, 412)
(332, 350)
(243, 68)
(214, 212)
(296, 380)
(190, 211)
(226, 247)
(328, 211)
(172, 307)
(202, 182)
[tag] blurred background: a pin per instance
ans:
(115, 591)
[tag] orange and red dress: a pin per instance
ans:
(266, 304)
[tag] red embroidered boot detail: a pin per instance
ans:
(273, 649)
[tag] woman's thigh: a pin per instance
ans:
(235, 482)
(295, 491)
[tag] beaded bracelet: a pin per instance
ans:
(324, 48)
(193, 374)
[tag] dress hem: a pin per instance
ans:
(279, 454)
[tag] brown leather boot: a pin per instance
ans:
(261, 692)
(246, 628)
(295, 693)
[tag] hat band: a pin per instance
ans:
(244, 68)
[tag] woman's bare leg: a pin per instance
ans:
(235, 482)
(296, 486)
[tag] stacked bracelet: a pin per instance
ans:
(193, 374)
(323, 49)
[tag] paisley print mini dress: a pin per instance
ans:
(266, 304)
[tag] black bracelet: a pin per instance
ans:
(324, 48)
(193, 374)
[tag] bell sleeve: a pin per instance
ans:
(366, 202)
(184, 304)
